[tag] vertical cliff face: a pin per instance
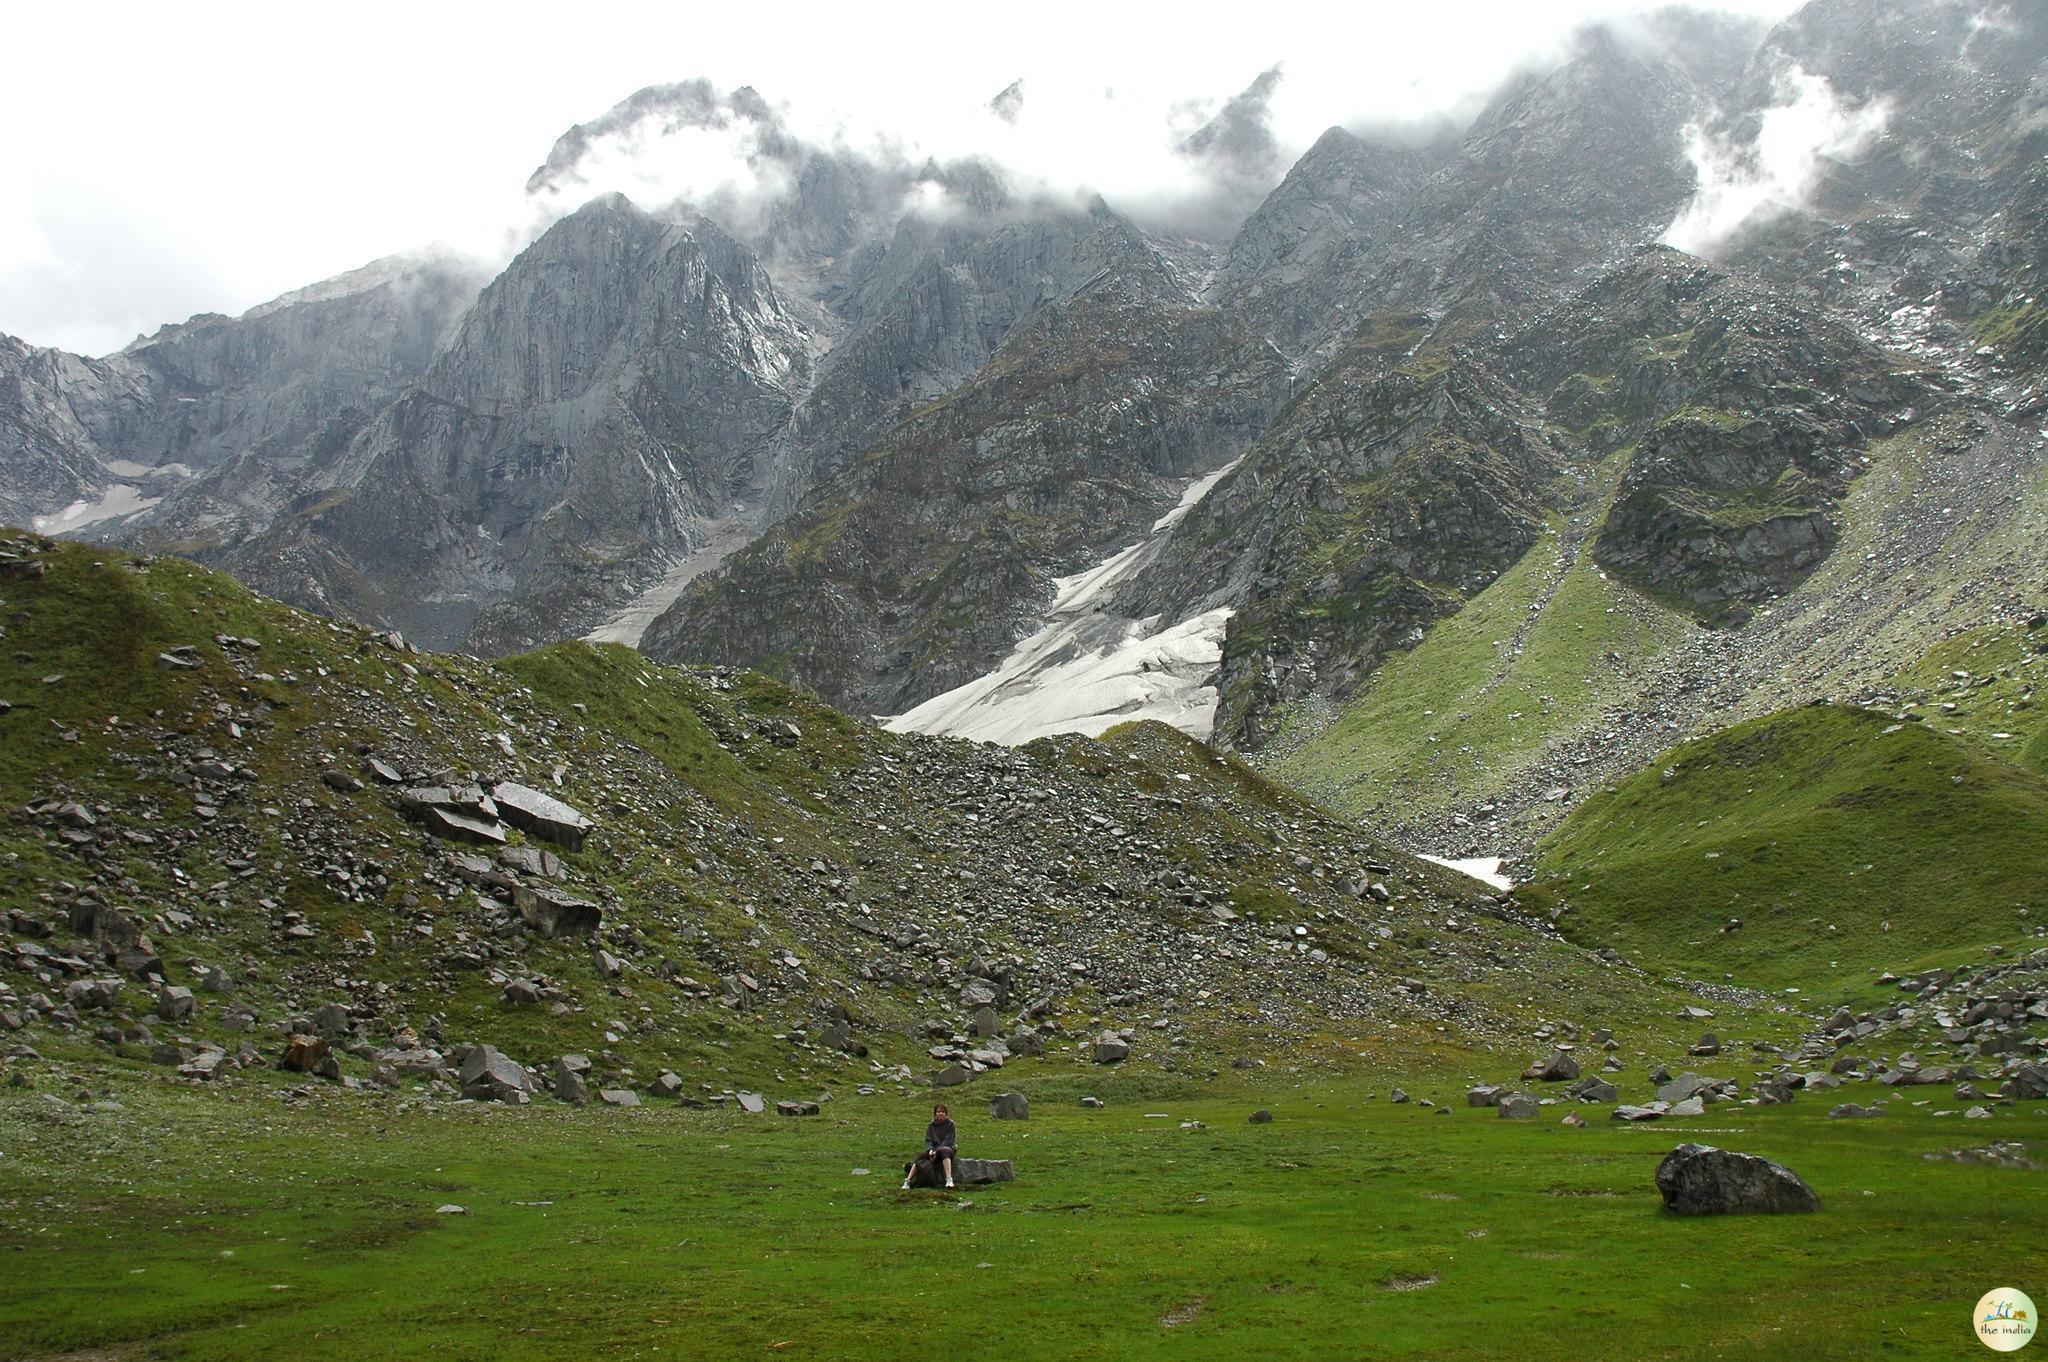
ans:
(606, 395)
(1292, 269)
(197, 430)
(61, 417)
(902, 401)
(915, 567)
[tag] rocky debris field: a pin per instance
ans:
(304, 844)
(1972, 1041)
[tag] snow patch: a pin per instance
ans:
(1485, 869)
(119, 500)
(1089, 669)
(1740, 187)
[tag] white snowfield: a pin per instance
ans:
(1088, 669)
(118, 501)
(1485, 869)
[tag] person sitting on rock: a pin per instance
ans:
(941, 1143)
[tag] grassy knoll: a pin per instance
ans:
(1529, 662)
(1844, 841)
(198, 1226)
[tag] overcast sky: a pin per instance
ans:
(171, 159)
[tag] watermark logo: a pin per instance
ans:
(2004, 1319)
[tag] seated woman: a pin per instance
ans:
(941, 1144)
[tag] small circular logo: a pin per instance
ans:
(2004, 1319)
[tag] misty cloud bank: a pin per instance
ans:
(115, 230)
(1197, 167)
(1744, 185)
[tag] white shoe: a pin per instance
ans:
(949, 1184)
(906, 1184)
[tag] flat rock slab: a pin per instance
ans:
(1650, 1112)
(1698, 1179)
(462, 826)
(554, 914)
(541, 815)
(491, 1076)
(978, 1172)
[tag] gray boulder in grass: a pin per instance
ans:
(1698, 1179)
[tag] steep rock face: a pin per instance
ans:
(1384, 495)
(1746, 414)
(61, 417)
(2016, 324)
(611, 389)
(1415, 470)
(1562, 173)
(1401, 487)
(925, 312)
(1913, 235)
(196, 435)
(1960, 86)
(269, 382)
(920, 564)
(809, 205)
(1288, 269)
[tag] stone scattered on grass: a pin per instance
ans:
(1698, 1179)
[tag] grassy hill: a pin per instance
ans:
(766, 868)
(1844, 841)
(1487, 699)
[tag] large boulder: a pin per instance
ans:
(462, 812)
(1687, 1085)
(541, 815)
(1516, 1105)
(1698, 1179)
(489, 1075)
(1592, 1089)
(974, 1172)
(570, 1084)
(309, 1055)
(1560, 1067)
(1109, 1048)
(554, 914)
(1009, 1106)
(1650, 1112)
(2028, 1081)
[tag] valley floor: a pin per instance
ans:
(258, 1224)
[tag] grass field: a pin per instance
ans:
(246, 1226)
(1472, 710)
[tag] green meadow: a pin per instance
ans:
(251, 1224)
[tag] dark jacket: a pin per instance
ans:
(941, 1135)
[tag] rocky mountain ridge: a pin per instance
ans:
(230, 824)
(865, 448)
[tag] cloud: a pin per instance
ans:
(151, 200)
(1743, 186)
(1009, 101)
(1239, 158)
